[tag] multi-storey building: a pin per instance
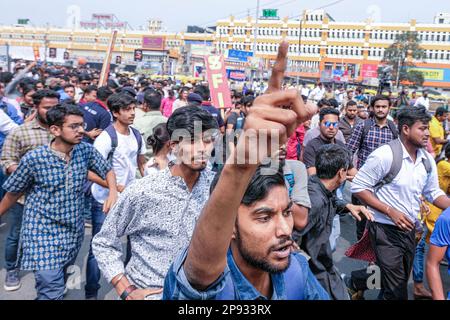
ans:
(320, 48)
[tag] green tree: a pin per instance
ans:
(406, 45)
(415, 77)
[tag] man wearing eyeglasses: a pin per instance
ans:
(329, 127)
(52, 177)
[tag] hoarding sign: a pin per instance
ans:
(218, 83)
(153, 43)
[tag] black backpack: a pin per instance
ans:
(114, 141)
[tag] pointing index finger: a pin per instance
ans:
(278, 70)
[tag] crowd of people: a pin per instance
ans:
(184, 201)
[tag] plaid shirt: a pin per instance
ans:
(53, 223)
(27, 137)
(375, 138)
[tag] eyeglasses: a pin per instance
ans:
(329, 124)
(76, 126)
(85, 83)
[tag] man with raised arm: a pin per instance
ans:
(241, 248)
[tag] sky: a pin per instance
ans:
(177, 14)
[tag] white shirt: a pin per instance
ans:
(424, 102)
(6, 123)
(317, 94)
(78, 94)
(404, 192)
(305, 91)
(124, 160)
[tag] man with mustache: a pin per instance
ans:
(52, 177)
(158, 212)
(396, 202)
(368, 135)
(241, 248)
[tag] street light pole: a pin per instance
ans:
(299, 47)
(256, 29)
(8, 58)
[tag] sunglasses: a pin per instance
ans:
(329, 124)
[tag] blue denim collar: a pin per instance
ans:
(246, 291)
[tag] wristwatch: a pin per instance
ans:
(127, 292)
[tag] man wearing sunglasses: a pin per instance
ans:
(329, 127)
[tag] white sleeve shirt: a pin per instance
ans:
(6, 123)
(404, 192)
(124, 161)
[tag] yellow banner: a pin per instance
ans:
(431, 74)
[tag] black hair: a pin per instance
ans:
(26, 89)
(159, 138)
(323, 102)
(153, 99)
(259, 186)
(248, 101)
(6, 77)
(84, 77)
(440, 111)
(379, 98)
(112, 84)
(409, 116)
(118, 101)
(203, 91)
(330, 159)
(57, 115)
(103, 93)
(90, 89)
(185, 118)
(447, 151)
(334, 103)
(351, 103)
(42, 94)
(69, 86)
(26, 82)
(40, 81)
(238, 95)
(327, 111)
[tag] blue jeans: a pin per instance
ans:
(50, 284)
(12, 241)
(92, 271)
(419, 259)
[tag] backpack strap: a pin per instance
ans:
(368, 124)
(366, 128)
(397, 161)
(396, 166)
(393, 129)
(114, 141)
(138, 137)
(427, 164)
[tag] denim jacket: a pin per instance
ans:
(296, 283)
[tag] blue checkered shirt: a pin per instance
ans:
(53, 226)
(375, 138)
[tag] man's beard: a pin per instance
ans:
(41, 119)
(67, 141)
(257, 262)
(380, 118)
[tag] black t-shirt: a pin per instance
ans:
(233, 119)
(312, 148)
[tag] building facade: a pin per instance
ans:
(320, 48)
